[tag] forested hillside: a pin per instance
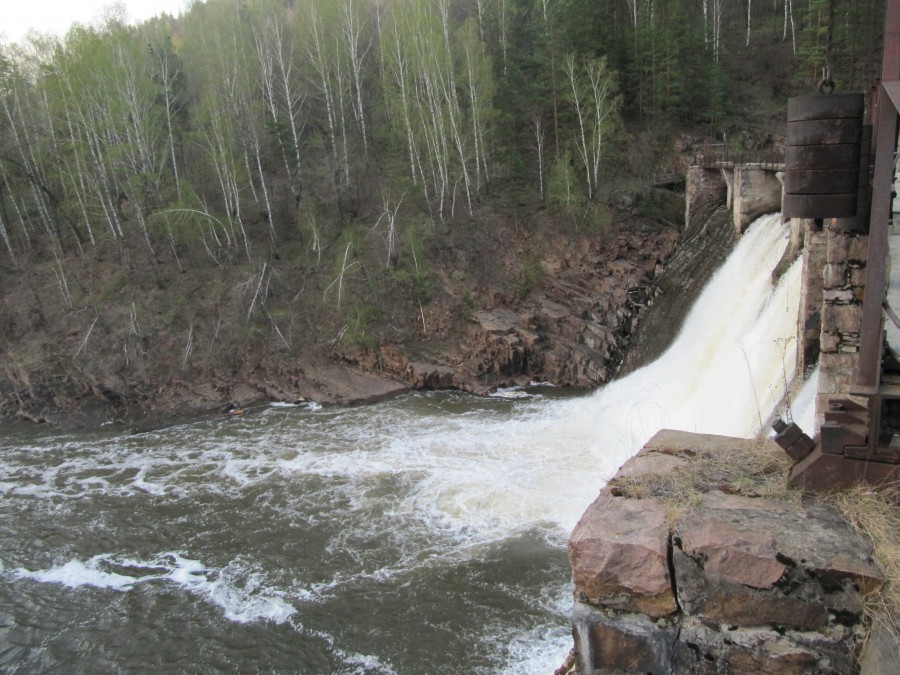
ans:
(301, 177)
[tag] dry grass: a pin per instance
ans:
(761, 473)
(877, 515)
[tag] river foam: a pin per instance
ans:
(240, 592)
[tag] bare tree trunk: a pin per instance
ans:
(706, 23)
(353, 37)
(537, 128)
(293, 98)
(316, 52)
(503, 32)
(749, 10)
(718, 9)
(168, 77)
(580, 113)
(401, 75)
(30, 161)
(789, 19)
(4, 234)
(265, 45)
(391, 236)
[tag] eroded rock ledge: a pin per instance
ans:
(573, 330)
(725, 584)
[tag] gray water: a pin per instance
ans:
(383, 539)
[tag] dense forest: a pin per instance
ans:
(319, 157)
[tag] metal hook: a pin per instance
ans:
(826, 82)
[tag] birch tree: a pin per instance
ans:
(357, 47)
(23, 164)
(479, 89)
(166, 69)
(418, 69)
(789, 19)
(330, 79)
(596, 105)
(401, 95)
(80, 96)
(282, 91)
(214, 52)
(749, 13)
(718, 9)
(539, 133)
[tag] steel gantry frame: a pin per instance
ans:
(852, 446)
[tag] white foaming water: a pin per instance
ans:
(543, 648)
(238, 591)
(803, 406)
(724, 374)
(510, 392)
(727, 370)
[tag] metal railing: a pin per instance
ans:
(720, 156)
(665, 178)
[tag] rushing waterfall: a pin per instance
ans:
(424, 534)
(727, 370)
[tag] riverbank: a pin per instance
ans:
(87, 340)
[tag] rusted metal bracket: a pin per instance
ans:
(792, 440)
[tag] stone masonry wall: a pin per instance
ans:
(703, 188)
(733, 583)
(749, 191)
(842, 295)
(755, 192)
(809, 319)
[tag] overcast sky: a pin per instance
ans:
(55, 16)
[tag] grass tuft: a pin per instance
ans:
(760, 473)
(876, 514)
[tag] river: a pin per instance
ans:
(425, 534)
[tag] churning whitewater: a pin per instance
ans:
(423, 534)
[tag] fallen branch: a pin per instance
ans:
(84, 342)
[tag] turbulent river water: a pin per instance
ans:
(425, 534)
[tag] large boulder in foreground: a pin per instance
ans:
(619, 553)
(716, 582)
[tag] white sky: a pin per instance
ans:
(55, 16)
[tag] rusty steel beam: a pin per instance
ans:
(871, 332)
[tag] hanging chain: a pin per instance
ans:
(826, 83)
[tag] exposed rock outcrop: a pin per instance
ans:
(623, 563)
(553, 304)
(735, 584)
(572, 329)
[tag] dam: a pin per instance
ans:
(682, 567)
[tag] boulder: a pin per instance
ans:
(753, 562)
(732, 584)
(619, 556)
(629, 643)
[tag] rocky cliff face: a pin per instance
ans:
(572, 329)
